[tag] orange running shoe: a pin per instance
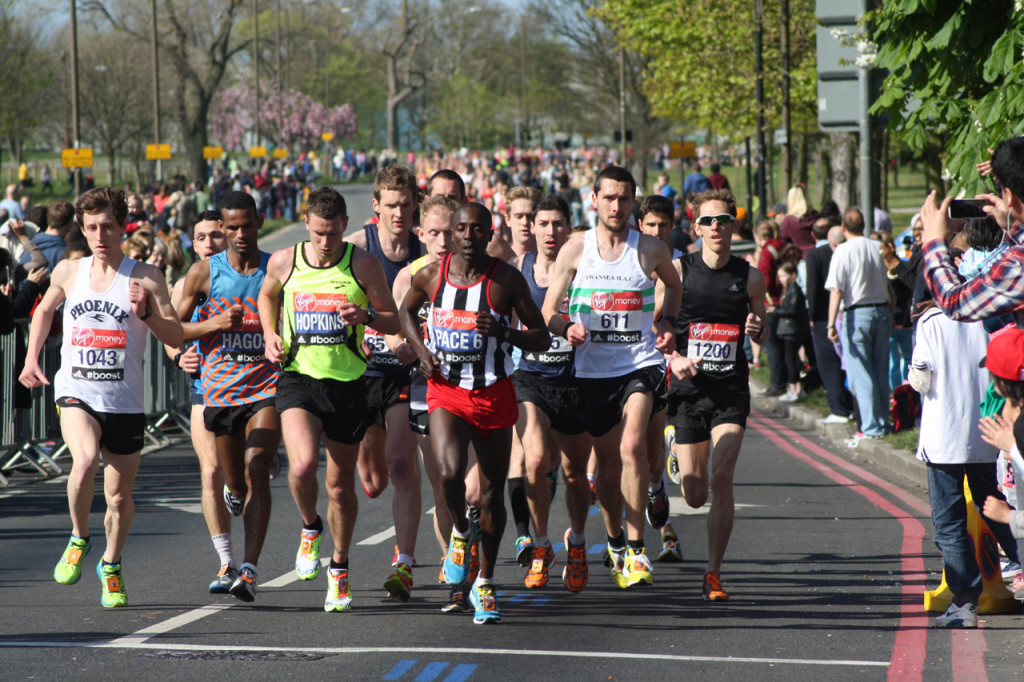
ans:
(576, 573)
(713, 588)
(543, 559)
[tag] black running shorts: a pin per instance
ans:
(120, 434)
(561, 403)
(605, 398)
(695, 413)
(339, 405)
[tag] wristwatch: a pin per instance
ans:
(371, 314)
(505, 335)
(149, 311)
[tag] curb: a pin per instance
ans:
(900, 462)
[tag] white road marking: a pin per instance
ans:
(169, 624)
(445, 650)
(189, 505)
(289, 577)
(678, 507)
(379, 538)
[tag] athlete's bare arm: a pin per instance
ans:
(279, 267)
(423, 282)
(396, 342)
(61, 280)
(370, 274)
(513, 291)
(197, 286)
(756, 327)
(189, 361)
(656, 259)
(499, 248)
(149, 297)
(565, 269)
(357, 238)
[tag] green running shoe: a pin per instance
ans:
(69, 569)
(113, 593)
(307, 559)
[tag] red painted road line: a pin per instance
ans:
(968, 648)
(910, 646)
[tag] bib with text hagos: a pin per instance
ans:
(716, 343)
(98, 354)
(456, 338)
(243, 344)
(317, 322)
(615, 316)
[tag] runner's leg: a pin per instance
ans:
(263, 434)
(82, 434)
(118, 477)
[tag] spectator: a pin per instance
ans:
(856, 278)
(665, 189)
(11, 205)
(59, 218)
(717, 180)
(16, 237)
(696, 182)
(830, 366)
(767, 259)
(47, 177)
(793, 329)
(800, 217)
(901, 342)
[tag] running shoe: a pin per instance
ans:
(657, 507)
(543, 560)
(1010, 568)
(553, 483)
(1017, 587)
(394, 559)
(440, 573)
(474, 562)
(69, 569)
(615, 559)
(965, 616)
(458, 599)
(275, 467)
(113, 593)
(458, 557)
(713, 588)
(637, 569)
(593, 491)
(222, 583)
(399, 585)
(576, 572)
(235, 505)
(485, 604)
(307, 560)
(670, 552)
(338, 597)
(671, 461)
(244, 587)
(524, 550)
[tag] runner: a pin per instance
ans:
(551, 418)
(238, 383)
(328, 291)
(448, 183)
(109, 302)
(709, 398)
(619, 361)
(469, 393)
(208, 239)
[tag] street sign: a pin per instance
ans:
(258, 152)
(327, 137)
(838, 89)
(779, 137)
(76, 158)
(158, 152)
(280, 153)
(682, 150)
(213, 152)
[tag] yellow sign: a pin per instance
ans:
(327, 137)
(682, 150)
(158, 152)
(280, 153)
(258, 152)
(213, 152)
(76, 158)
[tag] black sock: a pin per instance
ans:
(520, 507)
(636, 545)
(617, 543)
(317, 525)
(335, 565)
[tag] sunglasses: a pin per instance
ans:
(722, 219)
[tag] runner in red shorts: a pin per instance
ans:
(469, 392)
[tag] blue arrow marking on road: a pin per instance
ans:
(401, 668)
(431, 671)
(461, 673)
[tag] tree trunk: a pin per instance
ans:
(933, 165)
(843, 171)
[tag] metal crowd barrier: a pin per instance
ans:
(30, 438)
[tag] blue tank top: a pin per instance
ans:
(383, 362)
(235, 371)
(556, 362)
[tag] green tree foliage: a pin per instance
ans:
(26, 81)
(701, 59)
(962, 61)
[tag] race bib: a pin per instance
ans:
(245, 344)
(560, 352)
(382, 356)
(615, 316)
(98, 354)
(456, 339)
(715, 342)
(317, 322)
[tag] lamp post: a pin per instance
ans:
(74, 93)
(156, 93)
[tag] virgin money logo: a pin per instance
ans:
(443, 318)
(82, 337)
(602, 300)
(700, 331)
(305, 302)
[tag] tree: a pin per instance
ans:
(962, 62)
(26, 81)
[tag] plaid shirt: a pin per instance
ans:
(996, 292)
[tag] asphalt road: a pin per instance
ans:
(826, 568)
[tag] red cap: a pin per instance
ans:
(1005, 356)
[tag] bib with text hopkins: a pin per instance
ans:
(317, 322)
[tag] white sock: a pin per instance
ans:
(458, 534)
(222, 543)
(251, 567)
(653, 487)
(480, 580)
(577, 539)
(541, 541)
(405, 559)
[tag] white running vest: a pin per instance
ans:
(614, 300)
(104, 343)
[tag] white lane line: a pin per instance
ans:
(169, 624)
(447, 650)
(290, 577)
(379, 538)
(679, 507)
